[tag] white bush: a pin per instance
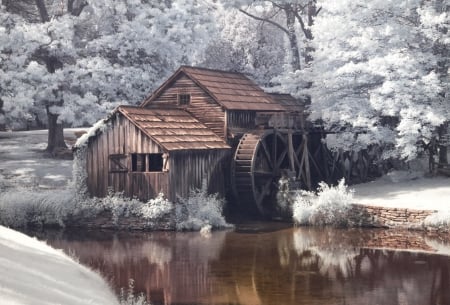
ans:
(329, 207)
(440, 219)
(200, 210)
(22, 207)
(129, 297)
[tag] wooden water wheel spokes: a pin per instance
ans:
(259, 162)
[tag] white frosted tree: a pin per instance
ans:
(77, 60)
(246, 45)
(377, 73)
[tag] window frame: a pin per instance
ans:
(145, 164)
(184, 99)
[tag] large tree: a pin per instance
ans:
(293, 18)
(380, 72)
(76, 61)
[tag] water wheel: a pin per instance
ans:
(260, 159)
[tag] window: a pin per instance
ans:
(149, 163)
(155, 163)
(184, 99)
(118, 163)
(138, 162)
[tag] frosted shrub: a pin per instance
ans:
(129, 297)
(329, 207)
(200, 210)
(121, 206)
(285, 199)
(22, 207)
(440, 220)
(156, 208)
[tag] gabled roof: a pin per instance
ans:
(231, 90)
(173, 129)
(289, 102)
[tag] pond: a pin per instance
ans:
(268, 264)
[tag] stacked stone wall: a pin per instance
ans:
(387, 217)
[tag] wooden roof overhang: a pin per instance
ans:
(173, 129)
(289, 102)
(231, 90)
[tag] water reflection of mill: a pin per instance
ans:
(291, 266)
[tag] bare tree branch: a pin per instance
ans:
(306, 31)
(265, 20)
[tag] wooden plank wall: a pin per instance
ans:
(202, 106)
(188, 168)
(241, 119)
(122, 138)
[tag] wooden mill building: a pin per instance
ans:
(202, 124)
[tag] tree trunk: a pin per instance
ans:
(293, 43)
(443, 157)
(43, 13)
(312, 13)
(55, 133)
(2, 113)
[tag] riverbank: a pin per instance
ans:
(406, 199)
(34, 273)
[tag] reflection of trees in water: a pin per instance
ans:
(292, 266)
(162, 264)
(381, 276)
(317, 266)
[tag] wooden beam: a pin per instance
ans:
(307, 169)
(291, 151)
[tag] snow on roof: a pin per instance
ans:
(100, 126)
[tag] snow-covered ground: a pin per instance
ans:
(23, 162)
(34, 273)
(405, 190)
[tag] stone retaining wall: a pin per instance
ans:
(106, 220)
(386, 217)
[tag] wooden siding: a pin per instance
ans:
(191, 167)
(241, 119)
(122, 138)
(231, 90)
(202, 105)
(187, 168)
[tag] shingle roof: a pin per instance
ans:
(233, 91)
(173, 129)
(289, 102)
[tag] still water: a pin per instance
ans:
(269, 264)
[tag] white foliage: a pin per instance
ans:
(22, 207)
(114, 52)
(329, 207)
(373, 60)
(440, 219)
(200, 211)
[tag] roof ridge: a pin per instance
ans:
(212, 70)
